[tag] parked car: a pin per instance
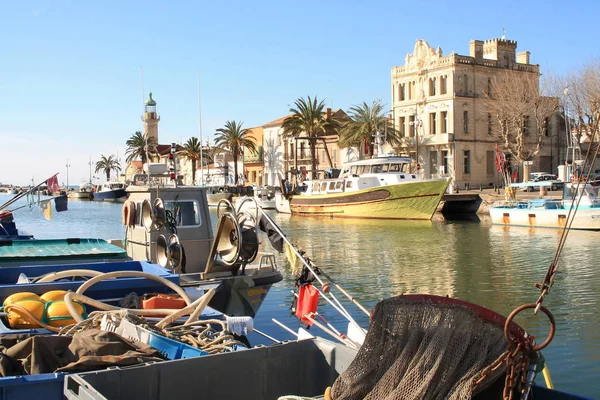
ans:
(539, 179)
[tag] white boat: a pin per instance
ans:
(580, 203)
(264, 197)
(282, 204)
(111, 191)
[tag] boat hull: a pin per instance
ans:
(117, 195)
(213, 199)
(585, 218)
(282, 204)
(416, 200)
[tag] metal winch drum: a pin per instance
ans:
(169, 252)
(153, 215)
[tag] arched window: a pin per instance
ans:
(465, 84)
(443, 84)
(432, 82)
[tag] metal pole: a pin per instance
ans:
(200, 132)
(67, 174)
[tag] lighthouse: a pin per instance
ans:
(151, 118)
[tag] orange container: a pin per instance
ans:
(159, 300)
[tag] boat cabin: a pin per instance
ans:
(190, 219)
(365, 174)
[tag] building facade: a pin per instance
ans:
(438, 108)
(253, 161)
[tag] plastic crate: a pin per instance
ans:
(169, 348)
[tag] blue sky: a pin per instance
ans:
(70, 86)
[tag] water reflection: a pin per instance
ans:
(493, 266)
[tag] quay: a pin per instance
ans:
(478, 201)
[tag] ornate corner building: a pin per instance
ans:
(438, 109)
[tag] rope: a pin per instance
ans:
(548, 280)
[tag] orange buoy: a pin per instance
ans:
(58, 314)
(13, 298)
(53, 295)
(17, 319)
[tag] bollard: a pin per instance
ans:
(481, 187)
(543, 192)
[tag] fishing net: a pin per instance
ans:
(424, 347)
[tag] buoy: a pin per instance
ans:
(17, 319)
(128, 213)
(53, 295)
(13, 298)
(58, 314)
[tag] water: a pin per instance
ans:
(477, 262)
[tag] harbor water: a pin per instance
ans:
(489, 265)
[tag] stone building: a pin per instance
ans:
(438, 107)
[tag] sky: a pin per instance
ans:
(71, 71)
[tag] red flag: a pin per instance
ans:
(308, 300)
(499, 158)
(52, 183)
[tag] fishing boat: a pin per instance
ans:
(85, 192)
(381, 187)
(8, 228)
(97, 311)
(264, 197)
(170, 225)
(110, 191)
(214, 194)
(554, 213)
(416, 346)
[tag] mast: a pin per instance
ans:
(200, 132)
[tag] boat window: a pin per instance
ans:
(339, 185)
(376, 168)
(402, 177)
(331, 185)
(354, 170)
(185, 212)
(385, 167)
(404, 167)
(324, 187)
(348, 184)
(395, 167)
(315, 187)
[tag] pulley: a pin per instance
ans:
(153, 215)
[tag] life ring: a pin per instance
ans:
(128, 213)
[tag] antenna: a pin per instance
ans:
(142, 77)
(143, 133)
(503, 32)
(200, 132)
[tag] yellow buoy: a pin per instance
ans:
(13, 298)
(58, 314)
(53, 295)
(17, 319)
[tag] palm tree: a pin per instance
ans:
(107, 165)
(136, 147)
(192, 150)
(232, 138)
(366, 121)
(308, 120)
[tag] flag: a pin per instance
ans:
(515, 173)
(46, 208)
(499, 157)
(60, 203)
(295, 263)
(274, 236)
(52, 183)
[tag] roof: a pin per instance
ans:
(165, 149)
(150, 101)
(277, 122)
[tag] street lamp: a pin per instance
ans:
(68, 165)
(552, 151)
(416, 124)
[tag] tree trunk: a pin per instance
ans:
(193, 171)
(107, 175)
(313, 157)
(235, 169)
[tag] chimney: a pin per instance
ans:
(523, 57)
(476, 49)
(328, 111)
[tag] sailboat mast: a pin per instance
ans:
(200, 133)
